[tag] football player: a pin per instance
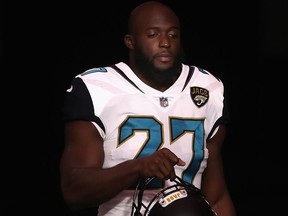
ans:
(151, 117)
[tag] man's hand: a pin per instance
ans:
(160, 164)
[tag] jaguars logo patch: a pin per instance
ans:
(199, 95)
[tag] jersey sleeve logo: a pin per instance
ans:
(94, 70)
(199, 95)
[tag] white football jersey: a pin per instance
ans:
(136, 120)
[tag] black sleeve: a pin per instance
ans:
(78, 104)
(225, 118)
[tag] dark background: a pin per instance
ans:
(45, 44)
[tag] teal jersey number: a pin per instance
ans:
(154, 129)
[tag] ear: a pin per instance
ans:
(129, 42)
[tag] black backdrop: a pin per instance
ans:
(44, 45)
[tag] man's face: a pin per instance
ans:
(156, 67)
(157, 45)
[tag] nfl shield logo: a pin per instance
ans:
(163, 102)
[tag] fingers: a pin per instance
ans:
(167, 167)
(172, 157)
(180, 162)
(161, 164)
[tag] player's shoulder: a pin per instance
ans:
(203, 73)
(98, 72)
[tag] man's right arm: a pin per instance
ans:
(85, 183)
